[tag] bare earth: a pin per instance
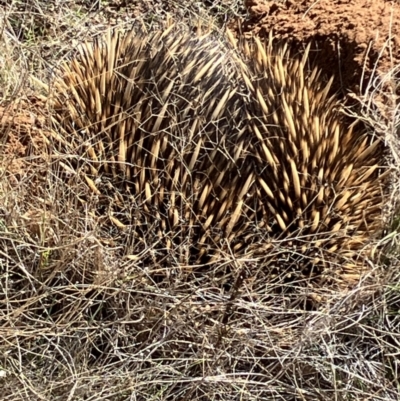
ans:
(348, 34)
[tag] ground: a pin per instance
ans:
(351, 39)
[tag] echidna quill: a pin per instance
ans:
(222, 149)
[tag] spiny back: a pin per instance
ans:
(164, 115)
(224, 148)
(319, 180)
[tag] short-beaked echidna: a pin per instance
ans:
(319, 179)
(222, 148)
(161, 115)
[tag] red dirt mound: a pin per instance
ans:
(351, 39)
(22, 129)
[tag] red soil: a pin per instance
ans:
(351, 39)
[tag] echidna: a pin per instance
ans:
(162, 116)
(319, 181)
(223, 149)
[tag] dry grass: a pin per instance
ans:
(80, 320)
